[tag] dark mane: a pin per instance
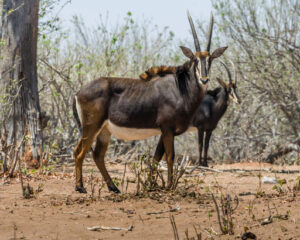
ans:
(214, 92)
(181, 73)
(161, 71)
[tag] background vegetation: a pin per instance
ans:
(263, 39)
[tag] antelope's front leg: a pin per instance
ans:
(159, 152)
(168, 142)
(200, 144)
(206, 146)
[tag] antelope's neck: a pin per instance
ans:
(222, 102)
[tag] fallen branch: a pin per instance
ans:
(262, 170)
(176, 209)
(269, 219)
(203, 168)
(97, 228)
(238, 170)
(282, 150)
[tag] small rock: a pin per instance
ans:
(248, 235)
(270, 180)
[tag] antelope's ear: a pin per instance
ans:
(222, 83)
(187, 52)
(218, 52)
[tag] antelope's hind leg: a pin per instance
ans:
(98, 155)
(84, 145)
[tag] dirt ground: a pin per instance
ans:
(58, 212)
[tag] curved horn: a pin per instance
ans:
(196, 41)
(227, 70)
(209, 33)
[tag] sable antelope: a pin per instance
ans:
(131, 109)
(211, 110)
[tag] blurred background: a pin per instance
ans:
(83, 40)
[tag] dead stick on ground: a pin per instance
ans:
(204, 168)
(242, 170)
(97, 228)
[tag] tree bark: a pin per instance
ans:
(20, 107)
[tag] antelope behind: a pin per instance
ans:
(212, 109)
(132, 109)
(209, 114)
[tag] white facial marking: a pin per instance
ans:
(234, 98)
(198, 71)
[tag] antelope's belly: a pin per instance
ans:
(192, 129)
(131, 133)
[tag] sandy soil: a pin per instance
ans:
(58, 212)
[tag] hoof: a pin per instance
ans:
(113, 189)
(80, 189)
(203, 164)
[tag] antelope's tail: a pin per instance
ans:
(76, 116)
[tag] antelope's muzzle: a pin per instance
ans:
(204, 80)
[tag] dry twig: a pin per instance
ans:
(97, 228)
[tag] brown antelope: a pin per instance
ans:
(211, 110)
(132, 109)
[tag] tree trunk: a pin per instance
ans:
(19, 104)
